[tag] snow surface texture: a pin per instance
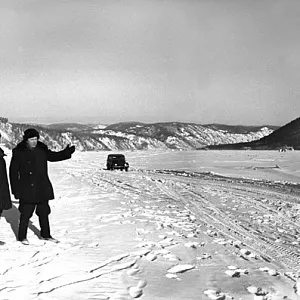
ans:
(170, 228)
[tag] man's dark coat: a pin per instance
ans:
(28, 172)
(5, 200)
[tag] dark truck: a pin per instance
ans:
(116, 161)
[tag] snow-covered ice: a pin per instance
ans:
(174, 227)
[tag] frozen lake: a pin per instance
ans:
(129, 229)
(270, 165)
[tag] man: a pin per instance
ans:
(5, 200)
(30, 183)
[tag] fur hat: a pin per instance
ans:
(30, 133)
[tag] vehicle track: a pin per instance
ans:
(203, 197)
(285, 256)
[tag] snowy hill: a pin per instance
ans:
(74, 126)
(133, 135)
(285, 137)
(176, 135)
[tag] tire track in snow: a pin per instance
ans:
(158, 184)
(286, 256)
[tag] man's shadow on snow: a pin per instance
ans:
(12, 217)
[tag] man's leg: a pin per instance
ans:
(43, 211)
(26, 210)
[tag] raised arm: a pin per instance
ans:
(60, 155)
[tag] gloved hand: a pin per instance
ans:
(69, 150)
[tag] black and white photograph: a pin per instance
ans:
(149, 149)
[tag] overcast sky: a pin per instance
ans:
(107, 61)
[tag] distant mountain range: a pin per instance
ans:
(74, 127)
(286, 137)
(135, 135)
